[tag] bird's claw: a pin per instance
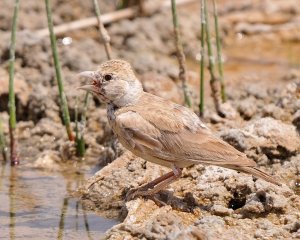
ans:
(136, 192)
(131, 194)
(142, 192)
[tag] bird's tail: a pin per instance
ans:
(260, 174)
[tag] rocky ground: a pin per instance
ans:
(212, 202)
(264, 121)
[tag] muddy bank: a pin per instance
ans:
(212, 202)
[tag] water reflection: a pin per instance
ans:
(37, 204)
(12, 214)
(62, 219)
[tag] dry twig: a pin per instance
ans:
(180, 56)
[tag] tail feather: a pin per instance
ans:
(260, 174)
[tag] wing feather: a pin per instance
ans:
(175, 134)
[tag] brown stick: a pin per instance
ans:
(105, 19)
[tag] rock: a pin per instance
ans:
(247, 107)
(220, 210)
(48, 160)
(271, 110)
(291, 75)
(41, 105)
(262, 202)
(265, 136)
(145, 220)
(191, 233)
(228, 110)
(205, 203)
(22, 92)
(257, 91)
(67, 150)
(296, 120)
(105, 191)
(290, 97)
(75, 59)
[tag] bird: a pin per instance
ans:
(160, 131)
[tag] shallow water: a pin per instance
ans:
(36, 204)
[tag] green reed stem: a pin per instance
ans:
(211, 65)
(180, 55)
(219, 51)
(11, 102)
(202, 62)
(63, 99)
(103, 33)
(2, 142)
(80, 143)
(208, 42)
(122, 4)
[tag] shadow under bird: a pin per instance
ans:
(159, 130)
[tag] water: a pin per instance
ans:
(36, 204)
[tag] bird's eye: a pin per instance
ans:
(107, 77)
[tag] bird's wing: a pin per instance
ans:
(164, 136)
(137, 133)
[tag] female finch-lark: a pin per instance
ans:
(160, 131)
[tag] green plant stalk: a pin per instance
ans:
(180, 55)
(122, 4)
(103, 33)
(211, 65)
(11, 104)
(2, 142)
(80, 144)
(63, 99)
(219, 52)
(202, 62)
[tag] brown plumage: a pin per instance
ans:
(161, 131)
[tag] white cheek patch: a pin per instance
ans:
(115, 89)
(129, 92)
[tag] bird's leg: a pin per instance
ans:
(156, 185)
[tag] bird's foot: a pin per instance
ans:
(156, 185)
(136, 192)
(147, 194)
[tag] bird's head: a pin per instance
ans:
(114, 83)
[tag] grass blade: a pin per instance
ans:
(211, 66)
(202, 62)
(12, 105)
(219, 52)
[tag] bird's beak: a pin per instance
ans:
(89, 87)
